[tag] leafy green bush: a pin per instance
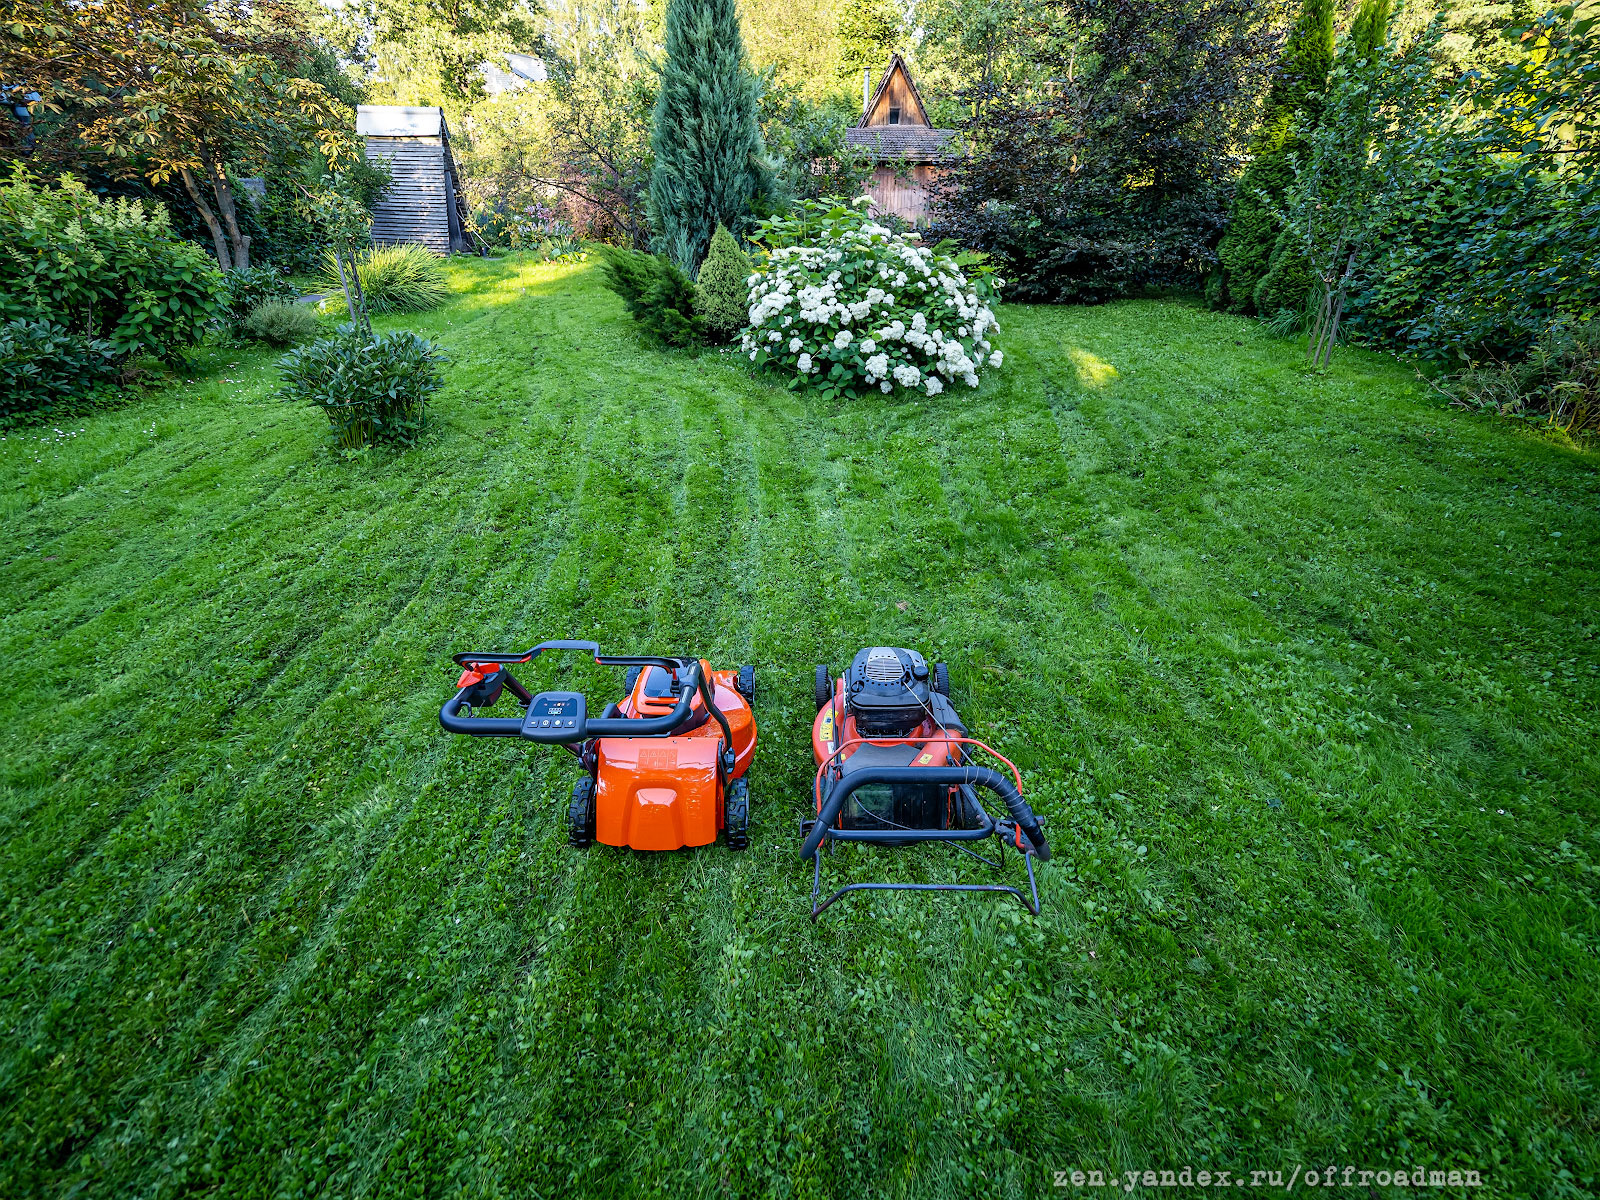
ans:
(722, 293)
(1558, 382)
(374, 391)
(43, 365)
(279, 323)
(845, 305)
(659, 296)
(1485, 229)
(246, 290)
(1477, 256)
(394, 278)
(108, 269)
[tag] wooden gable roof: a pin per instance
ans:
(896, 90)
(912, 138)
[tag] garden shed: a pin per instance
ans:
(907, 151)
(422, 205)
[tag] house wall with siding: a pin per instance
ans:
(903, 193)
(417, 207)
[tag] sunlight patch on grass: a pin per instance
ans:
(1093, 371)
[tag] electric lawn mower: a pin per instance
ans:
(893, 769)
(664, 766)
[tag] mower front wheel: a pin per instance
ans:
(580, 815)
(736, 815)
(745, 683)
(941, 679)
(824, 686)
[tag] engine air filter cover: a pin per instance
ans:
(887, 690)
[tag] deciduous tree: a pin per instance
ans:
(179, 88)
(1105, 162)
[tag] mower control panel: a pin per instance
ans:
(554, 717)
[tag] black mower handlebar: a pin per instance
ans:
(605, 660)
(578, 727)
(982, 777)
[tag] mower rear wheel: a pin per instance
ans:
(580, 815)
(745, 683)
(824, 686)
(941, 679)
(628, 680)
(736, 815)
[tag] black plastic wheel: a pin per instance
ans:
(736, 815)
(941, 679)
(628, 680)
(745, 683)
(824, 686)
(580, 815)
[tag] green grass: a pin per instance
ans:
(1297, 668)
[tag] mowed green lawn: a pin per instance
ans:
(1302, 672)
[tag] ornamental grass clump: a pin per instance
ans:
(843, 304)
(279, 323)
(394, 279)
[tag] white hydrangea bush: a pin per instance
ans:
(846, 305)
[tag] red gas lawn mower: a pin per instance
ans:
(893, 769)
(664, 767)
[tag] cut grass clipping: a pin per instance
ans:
(394, 279)
(1294, 666)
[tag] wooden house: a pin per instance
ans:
(906, 150)
(423, 204)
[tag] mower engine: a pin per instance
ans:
(888, 691)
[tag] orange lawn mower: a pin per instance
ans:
(664, 767)
(894, 768)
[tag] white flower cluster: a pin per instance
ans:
(868, 308)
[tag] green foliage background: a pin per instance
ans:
(1293, 106)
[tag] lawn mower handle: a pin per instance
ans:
(452, 721)
(605, 660)
(979, 776)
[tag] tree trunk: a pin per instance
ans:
(1325, 329)
(361, 297)
(357, 303)
(210, 218)
(230, 216)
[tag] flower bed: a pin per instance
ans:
(844, 304)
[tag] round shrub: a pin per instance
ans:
(374, 390)
(394, 279)
(279, 323)
(244, 289)
(843, 304)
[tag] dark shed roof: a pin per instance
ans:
(914, 143)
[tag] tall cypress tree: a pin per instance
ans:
(709, 159)
(1294, 103)
(1288, 281)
